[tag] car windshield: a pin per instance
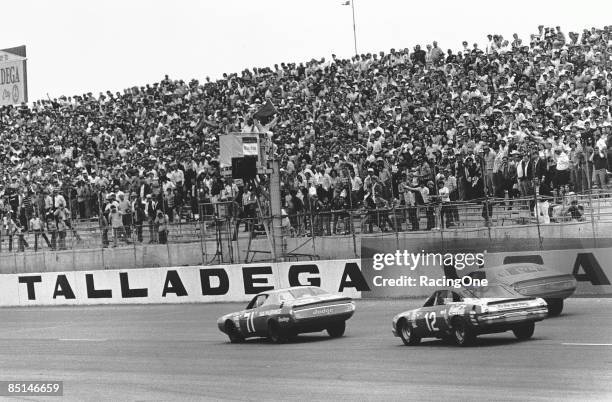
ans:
(306, 292)
(491, 291)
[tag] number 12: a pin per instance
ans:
(430, 321)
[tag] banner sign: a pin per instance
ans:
(417, 269)
(13, 76)
(223, 283)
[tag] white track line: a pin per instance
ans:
(81, 340)
(586, 344)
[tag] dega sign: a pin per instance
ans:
(177, 285)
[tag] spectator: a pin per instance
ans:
(391, 113)
(38, 227)
(161, 222)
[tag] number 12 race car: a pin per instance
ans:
(282, 314)
(462, 314)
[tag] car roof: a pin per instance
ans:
(274, 291)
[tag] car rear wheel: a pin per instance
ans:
(275, 334)
(555, 307)
(462, 333)
(524, 331)
(407, 334)
(232, 332)
(337, 330)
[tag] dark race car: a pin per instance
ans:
(282, 314)
(462, 314)
(532, 280)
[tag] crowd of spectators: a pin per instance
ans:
(404, 128)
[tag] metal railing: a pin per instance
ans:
(225, 232)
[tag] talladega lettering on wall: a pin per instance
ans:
(177, 285)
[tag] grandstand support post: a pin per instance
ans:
(73, 249)
(202, 244)
(279, 247)
(102, 257)
(590, 193)
(536, 211)
(352, 229)
(354, 27)
(134, 247)
(395, 226)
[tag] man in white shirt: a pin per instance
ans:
(445, 212)
(562, 171)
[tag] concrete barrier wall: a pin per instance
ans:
(322, 248)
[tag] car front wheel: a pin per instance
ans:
(524, 331)
(233, 334)
(407, 334)
(337, 330)
(462, 333)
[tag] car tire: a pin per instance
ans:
(337, 330)
(555, 307)
(524, 331)
(463, 335)
(275, 334)
(407, 334)
(232, 333)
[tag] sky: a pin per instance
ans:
(77, 46)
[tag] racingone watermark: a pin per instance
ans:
(426, 281)
(396, 271)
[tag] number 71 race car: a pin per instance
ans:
(282, 314)
(462, 314)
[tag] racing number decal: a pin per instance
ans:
(249, 321)
(430, 320)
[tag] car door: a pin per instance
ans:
(426, 316)
(269, 308)
(433, 317)
(247, 317)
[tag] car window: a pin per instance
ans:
(260, 300)
(273, 299)
(284, 297)
(431, 300)
(457, 297)
(306, 291)
(444, 297)
(257, 301)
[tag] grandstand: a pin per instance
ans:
(396, 141)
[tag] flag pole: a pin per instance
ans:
(354, 30)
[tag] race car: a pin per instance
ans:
(535, 280)
(282, 314)
(461, 314)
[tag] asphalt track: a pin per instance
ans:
(175, 352)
